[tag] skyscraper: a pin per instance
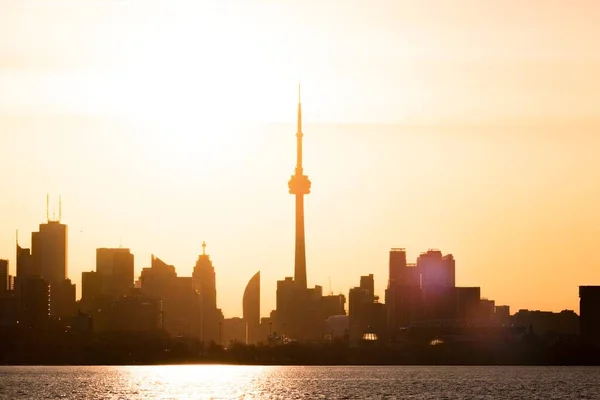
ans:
(49, 258)
(49, 251)
(299, 185)
(115, 266)
(204, 282)
(251, 308)
(4, 276)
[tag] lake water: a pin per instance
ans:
(255, 382)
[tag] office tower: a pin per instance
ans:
(50, 262)
(25, 267)
(366, 315)
(4, 276)
(49, 251)
(91, 286)
(299, 185)
(204, 279)
(333, 305)
(204, 282)
(436, 270)
(180, 301)
(34, 303)
(251, 309)
(468, 303)
(502, 316)
(115, 266)
(403, 296)
(589, 311)
(402, 274)
(62, 299)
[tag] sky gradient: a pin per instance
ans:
(467, 126)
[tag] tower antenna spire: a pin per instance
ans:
(299, 115)
(203, 248)
(59, 207)
(47, 207)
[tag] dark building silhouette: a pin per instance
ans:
(49, 251)
(502, 316)
(4, 276)
(233, 330)
(204, 282)
(34, 303)
(543, 323)
(181, 303)
(115, 266)
(332, 305)
(403, 297)
(589, 310)
(366, 315)
(133, 313)
(25, 268)
(62, 297)
(91, 288)
(49, 248)
(251, 310)
(468, 303)
(436, 270)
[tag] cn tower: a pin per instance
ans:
(299, 185)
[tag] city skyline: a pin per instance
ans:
(426, 127)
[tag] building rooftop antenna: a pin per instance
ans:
(203, 248)
(330, 291)
(59, 208)
(47, 207)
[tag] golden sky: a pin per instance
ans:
(469, 126)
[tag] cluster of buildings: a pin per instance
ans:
(422, 301)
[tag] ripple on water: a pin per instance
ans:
(255, 382)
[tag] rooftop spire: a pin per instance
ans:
(299, 112)
(203, 248)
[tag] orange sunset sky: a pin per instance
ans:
(468, 126)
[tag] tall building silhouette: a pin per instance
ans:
(204, 282)
(48, 261)
(115, 267)
(589, 310)
(251, 309)
(4, 276)
(49, 251)
(299, 185)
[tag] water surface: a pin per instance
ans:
(255, 382)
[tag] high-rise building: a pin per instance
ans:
(468, 303)
(115, 266)
(204, 279)
(436, 270)
(25, 267)
(62, 299)
(4, 275)
(34, 299)
(251, 309)
(589, 311)
(49, 251)
(91, 286)
(180, 301)
(204, 282)
(366, 314)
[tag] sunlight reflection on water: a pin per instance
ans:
(255, 382)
